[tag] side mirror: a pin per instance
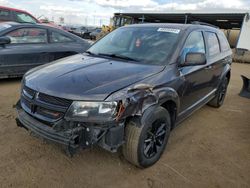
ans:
(194, 58)
(4, 41)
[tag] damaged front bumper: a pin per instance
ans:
(73, 135)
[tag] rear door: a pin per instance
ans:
(215, 59)
(63, 45)
(26, 50)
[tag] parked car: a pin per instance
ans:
(129, 90)
(83, 32)
(50, 23)
(16, 15)
(69, 28)
(93, 35)
(24, 46)
(79, 31)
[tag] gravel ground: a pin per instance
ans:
(209, 149)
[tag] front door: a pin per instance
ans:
(197, 78)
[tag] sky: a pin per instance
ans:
(99, 12)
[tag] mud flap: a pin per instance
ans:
(245, 91)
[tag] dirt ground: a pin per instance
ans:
(209, 149)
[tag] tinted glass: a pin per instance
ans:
(213, 44)
(149, 45)
(56, 37)
(24, 18)
(28, 35)
(5, 15)
(194, 43)
(223, 42)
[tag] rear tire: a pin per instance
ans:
(146, 137)
(218, 100)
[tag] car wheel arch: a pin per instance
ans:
(226, 72)
(171, 107)
(167, 98)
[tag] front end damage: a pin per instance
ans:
(44, 116)
(73, 135)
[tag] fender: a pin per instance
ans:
(226, 69)
(141, 97)
(168, 94)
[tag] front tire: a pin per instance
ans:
(146, 137)
(219, 98)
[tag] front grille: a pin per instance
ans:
(42, 106)
(54, 100)
(29, 92)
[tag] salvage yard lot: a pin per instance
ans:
(209, 149)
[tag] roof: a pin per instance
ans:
(221, 20)
(9, 23)
(13, 9)
(17, 25)
(174, 26)
(18, 10)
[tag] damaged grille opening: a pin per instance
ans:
(77, 140)
(45, 108)
(49, 113)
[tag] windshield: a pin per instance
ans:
(149, 45)
(24, 18)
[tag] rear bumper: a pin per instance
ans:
(29, 123)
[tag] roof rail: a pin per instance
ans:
(204, 23)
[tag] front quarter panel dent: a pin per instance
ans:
(141, 97)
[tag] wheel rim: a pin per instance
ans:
(155, 137)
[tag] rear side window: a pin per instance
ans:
(5, 15)
(194, 43)
(28, 35)
(223, 42)
(213, 44)
(56, 37)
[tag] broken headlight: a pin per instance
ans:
(92, 111)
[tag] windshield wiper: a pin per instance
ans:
(118, 56)
(90, 53)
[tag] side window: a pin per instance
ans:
(56, 37)
(5, 15)
(28, 35)
(213, 44)
(194, 43)
(223, 42)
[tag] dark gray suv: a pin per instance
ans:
(129, 90)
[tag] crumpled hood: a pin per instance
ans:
(82, 77)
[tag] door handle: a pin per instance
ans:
(208, 67)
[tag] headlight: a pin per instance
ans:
(98, 111)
